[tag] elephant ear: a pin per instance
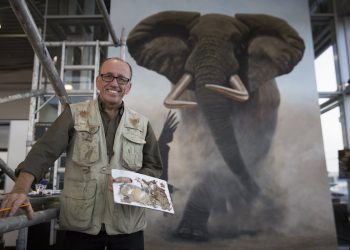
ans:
(273, 48)
(160, 42)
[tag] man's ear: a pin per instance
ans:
(98, 82)
(128, 87)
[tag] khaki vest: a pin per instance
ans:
(86, 201)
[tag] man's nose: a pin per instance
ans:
(114, 82)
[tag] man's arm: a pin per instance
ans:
(152, 163)
(39, 159)
(49, 147)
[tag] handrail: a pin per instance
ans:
(48, 211)
(21, 221)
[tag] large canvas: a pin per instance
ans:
(229, 89)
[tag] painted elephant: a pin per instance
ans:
(229, 63)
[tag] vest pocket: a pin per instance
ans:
(132, 154)
(77, 204)
(131, 219)
(85, 151)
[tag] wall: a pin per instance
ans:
(294, 210)
(12, 83)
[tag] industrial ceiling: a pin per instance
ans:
(52, 19)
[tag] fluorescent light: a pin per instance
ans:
(68, 86)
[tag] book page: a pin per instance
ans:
(142, 191)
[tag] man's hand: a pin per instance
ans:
(118, 180)
(13, 201)
(18, 197)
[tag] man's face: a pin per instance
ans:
(111, 92)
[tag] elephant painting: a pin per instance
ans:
(228, 65)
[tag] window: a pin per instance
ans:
(325, 71)
(331, 125)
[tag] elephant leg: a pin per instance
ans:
(193, 225)
(203, 198)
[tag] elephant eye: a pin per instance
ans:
(240, 48)
(191, 41)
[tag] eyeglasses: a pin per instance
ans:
(121, 80)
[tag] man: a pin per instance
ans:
(97, 136)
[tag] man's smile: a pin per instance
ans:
(112, 91)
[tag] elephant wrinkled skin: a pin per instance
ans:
(230, 64)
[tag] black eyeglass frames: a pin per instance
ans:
(121, 80)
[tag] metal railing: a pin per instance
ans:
(21, 221)
(48, 206)
(47, 211)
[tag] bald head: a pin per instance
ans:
(120, 60)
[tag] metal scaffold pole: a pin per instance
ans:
(7, 170)
(101, 5)
(24, 17)
(122, 44)
(21, 221)
(21, 96)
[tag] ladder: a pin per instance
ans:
(79, 77)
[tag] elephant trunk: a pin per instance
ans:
(218, 112)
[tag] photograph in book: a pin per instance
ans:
(142, 191)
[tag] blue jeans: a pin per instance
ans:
(81, 241)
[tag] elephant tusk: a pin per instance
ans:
(171, 101)
(238, 92)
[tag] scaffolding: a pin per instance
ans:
(66, 76)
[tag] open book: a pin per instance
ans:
(142, 191)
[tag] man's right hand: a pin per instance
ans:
(14, 201)
(18, 196)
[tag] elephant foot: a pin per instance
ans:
(190, 231)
